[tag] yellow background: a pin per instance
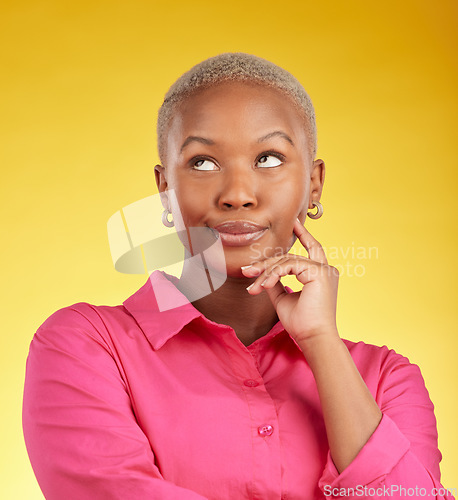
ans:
(81, 85)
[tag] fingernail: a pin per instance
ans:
(262, 284)
(246, 267)
(248, 287)
(297, 218)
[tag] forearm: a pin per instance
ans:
(350, 412)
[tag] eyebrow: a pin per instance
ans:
(209, 142)
(194, 138)
(278, 133)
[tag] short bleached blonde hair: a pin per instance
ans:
(235, 66)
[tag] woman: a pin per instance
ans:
(247, 391)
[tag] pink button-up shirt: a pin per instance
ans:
(128, 402)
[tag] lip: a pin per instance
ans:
(239, 233)
(239, 227)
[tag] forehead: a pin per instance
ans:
(237, 109)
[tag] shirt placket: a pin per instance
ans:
(265, 436)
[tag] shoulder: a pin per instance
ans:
(370, 355)
(82, 322)
(79, 314)
(387, 373)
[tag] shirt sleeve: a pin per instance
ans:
(401, 458)
(80, 431)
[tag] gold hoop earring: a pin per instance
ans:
(319, 210)
(165, 219)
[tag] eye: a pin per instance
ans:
(268, 161)
(204, 164)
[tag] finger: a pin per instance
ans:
(256, 286)
(313, 247)
(258, 267)
(276, 293)
(304, 269)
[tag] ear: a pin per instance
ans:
(316, 181)
(161, 183)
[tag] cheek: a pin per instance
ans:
(193, 205)
(287, 204)
(187, 208)
(289, 199)
(179, 194)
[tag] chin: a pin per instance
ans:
(236, 257)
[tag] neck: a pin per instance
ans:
(251, 316)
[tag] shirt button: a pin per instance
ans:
(265, 430)
(250, 382)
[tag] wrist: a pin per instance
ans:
(323, 344)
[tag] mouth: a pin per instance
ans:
(239, 233)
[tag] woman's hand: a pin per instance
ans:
(312, 311)
(350, 412)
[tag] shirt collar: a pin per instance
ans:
(160, 325)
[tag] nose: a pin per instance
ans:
(238, 190)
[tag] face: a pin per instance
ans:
(238, 153)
